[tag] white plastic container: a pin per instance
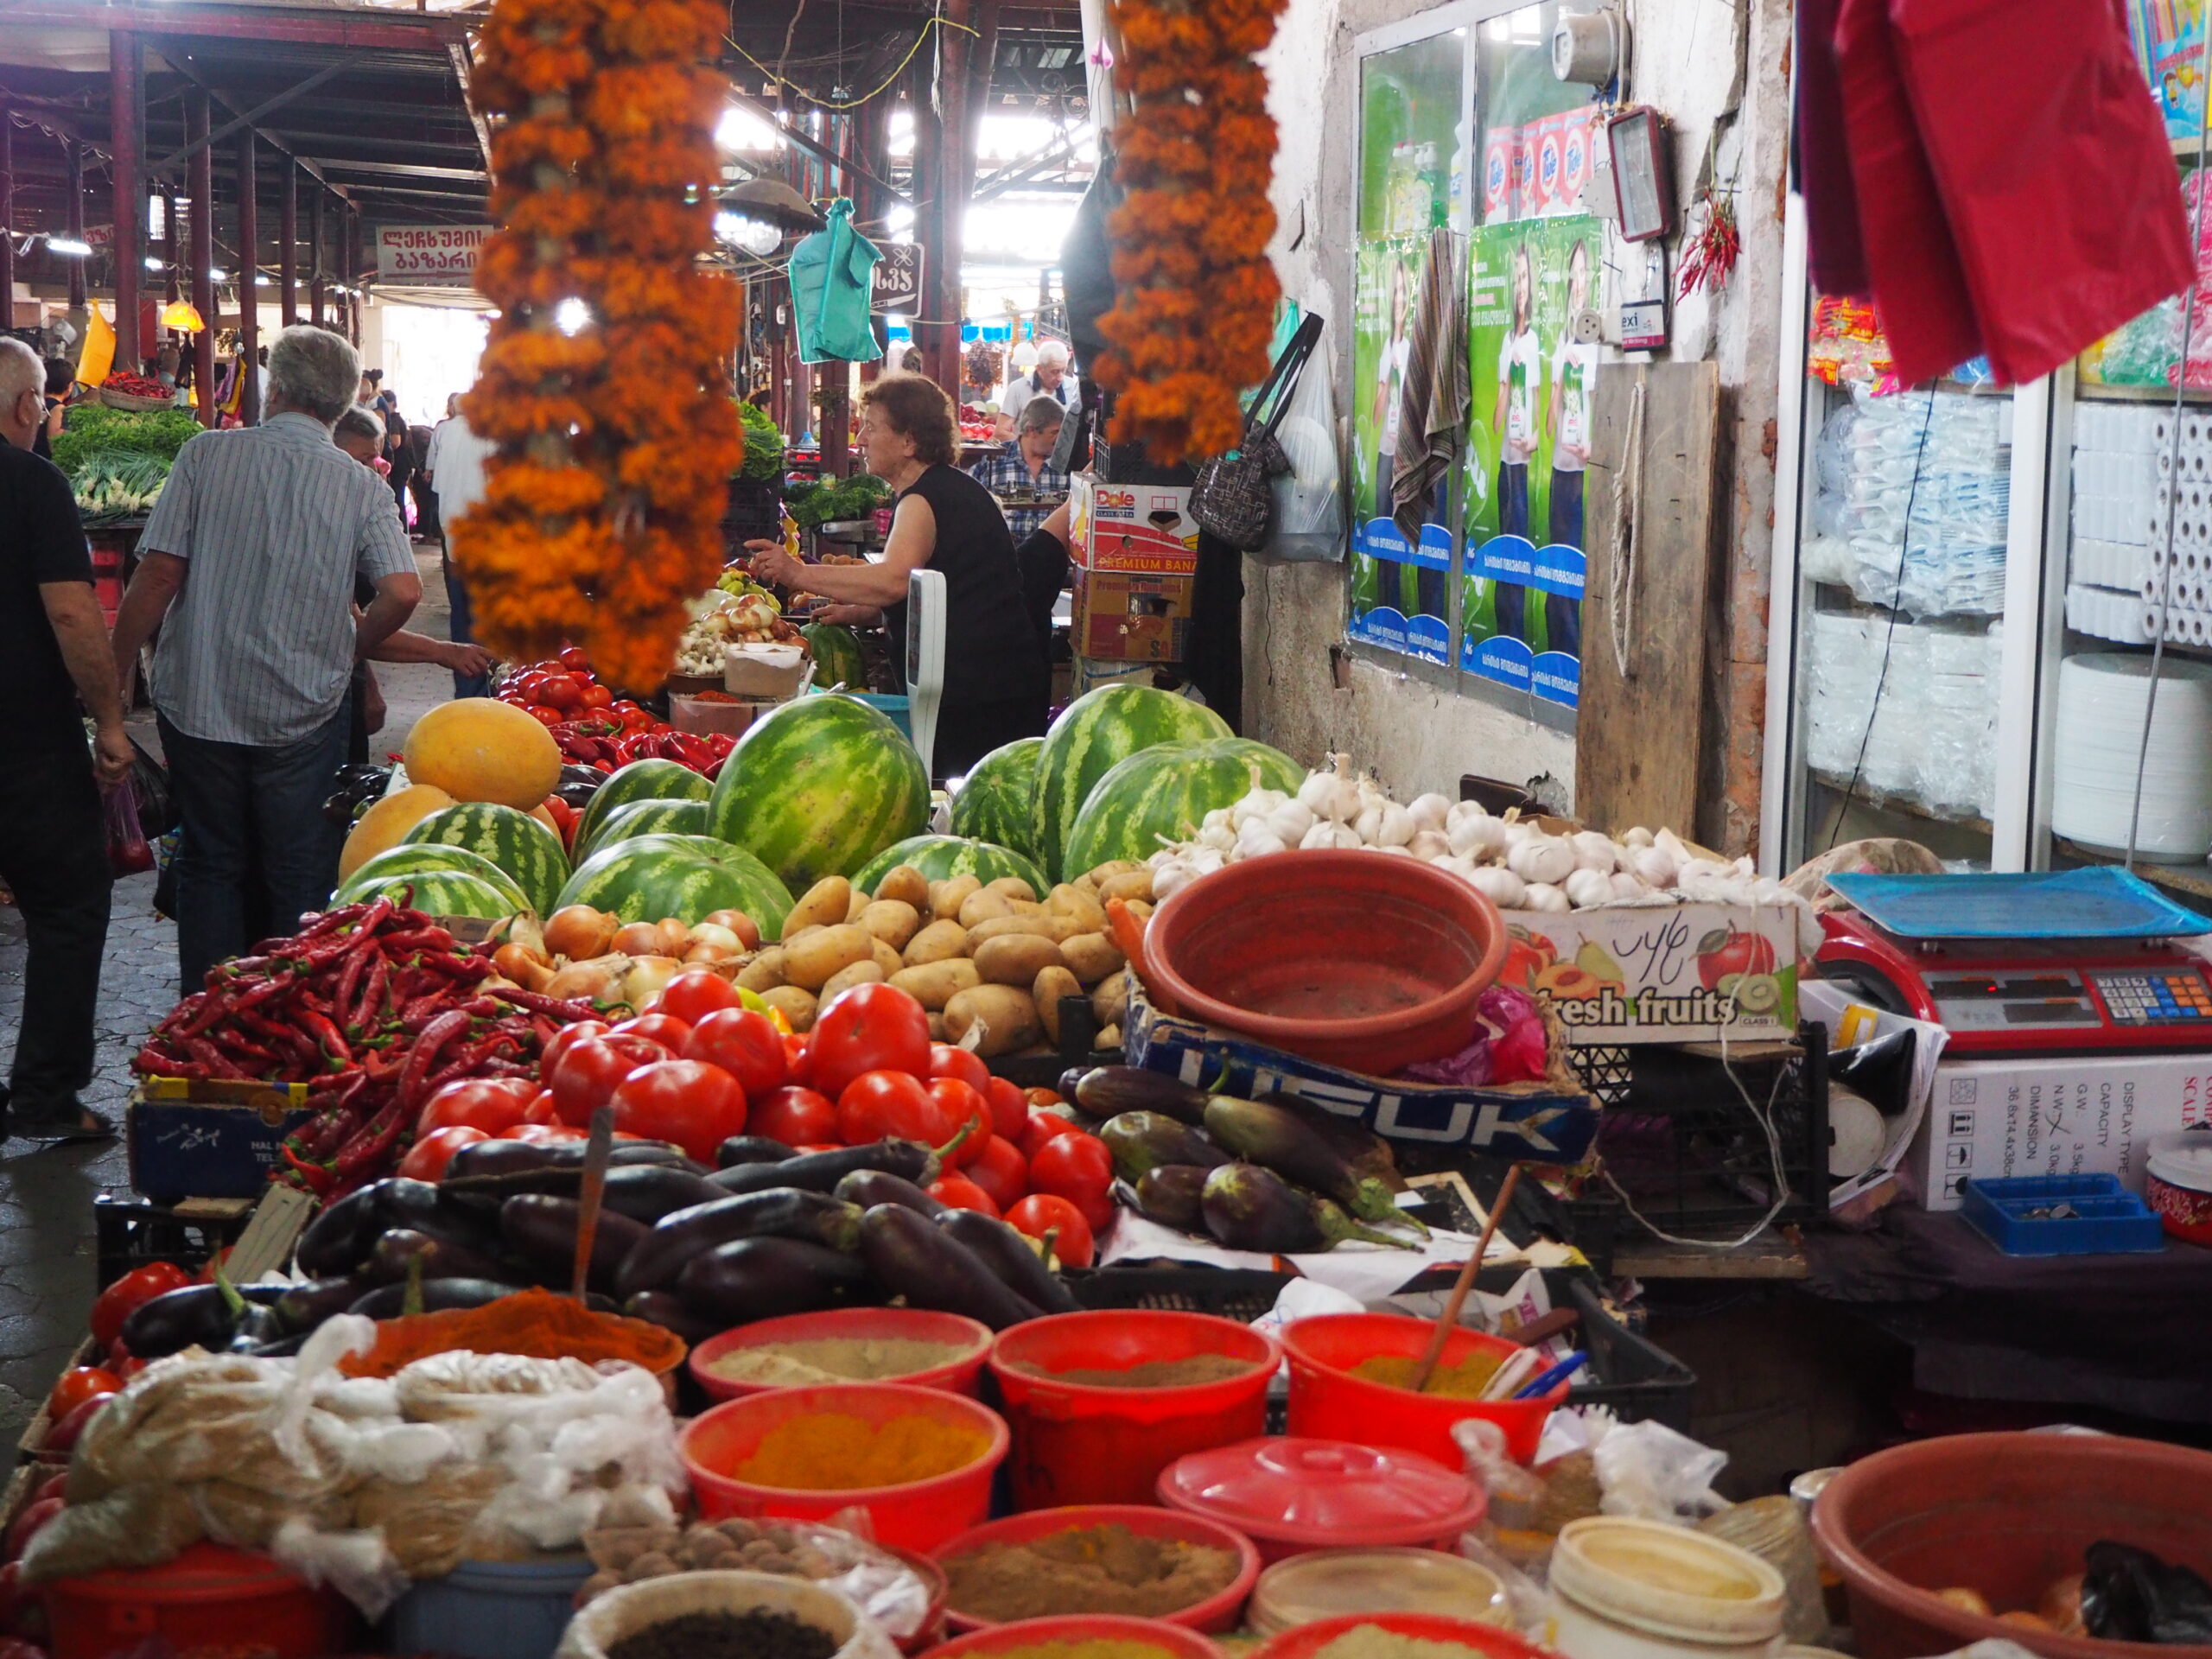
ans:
(1330, 1583)
(623, 1613)
(1627, 1589)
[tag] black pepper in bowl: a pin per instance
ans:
(727, 1636)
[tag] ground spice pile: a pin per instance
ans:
(1373, 1642)
(1098, 1647)
(536, 1324)
(835, 1452)
(1153, 1374)
(835, 1359)
(1465, 1380)
(1106, 1569)
(727, 1636)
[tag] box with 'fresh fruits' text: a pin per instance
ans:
(1663, 974)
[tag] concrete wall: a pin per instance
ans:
(1704, 63)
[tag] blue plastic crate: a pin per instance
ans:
(2107, 1219)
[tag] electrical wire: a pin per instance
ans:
(889, 81)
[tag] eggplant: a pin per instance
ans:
(1278, 1138)
(304, 1307)
(339, 1239)
(1008, 1253)
(1248, 1208)
(820, 1172)
(541, 1230)
(1365, 1151)
(645, 1192)
(256, 1324)
(742, 1150)
(779, 1212)
(277, 1347)
(1109, 1090)
(909, 1256)
(390, 1301)
(669, 1311)
(1169, 1195)
(484, 1163)
(750, 1279)
(869, 1188)
(206, 1314)
(422, 1206)
(399, 1248)
(1142, 1141)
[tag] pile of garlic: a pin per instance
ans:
(1516, 864)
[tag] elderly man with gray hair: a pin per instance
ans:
(248, 564)
(1020, 472)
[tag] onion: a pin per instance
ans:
(579, 932)
(671, 938)
(647, 978)
(721, 937)
(519, 965)
(747, 931)
(635, 938)
(704, 955)
(594, 979)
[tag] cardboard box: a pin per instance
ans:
(1138, 528)
(1501, 176)
(1131, 619)
(1655, 974)
(2089, 1115)
(770, 673)
(186, 1138)
(1547, 142)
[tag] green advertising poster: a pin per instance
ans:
(1528, 444)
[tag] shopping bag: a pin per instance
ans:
(1309, 525)
(127, 851)
(1233, 497)
(832, 274)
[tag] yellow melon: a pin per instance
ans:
(477, 749)
(545, 818)
(384, 825)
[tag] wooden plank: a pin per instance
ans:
(1639, 733)
(1772, 1255)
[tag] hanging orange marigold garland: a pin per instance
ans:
(1198, 295)
(603, 502)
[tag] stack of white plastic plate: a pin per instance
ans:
(2101, 699)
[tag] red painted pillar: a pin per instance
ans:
(128, 167)
(315, 296)
(74, 160)
(203, 253)
(248, 291)
(288, 236)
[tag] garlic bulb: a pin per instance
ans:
(1673, 844)
(1329, 794)
(1638, 836)
(1541, 858)
(1396, 852)
(1171, 877)
(1258, 803)
(1502, 887)
(1517, 832)
(1430, 811)
(1395, 827)
(1429, 845)
(1219, 836)
(1462, 812)
(1216, 819)
(1456, 864)
(1205, 861)
(1594, 851)
(1290, 820)
(1477, 835)
(1255, 840)
(1328, 835)
(1625, 885)
(1655, 866)
(1768, 891)
(1586, 889)
(1542, 895)
(1706, 869)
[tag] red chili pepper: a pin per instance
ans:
(440, 1032)
(211, 1057)
(579, 1008)
(317, 1178)
(374, 993)
(332, 1040)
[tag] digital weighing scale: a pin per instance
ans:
(925, 660)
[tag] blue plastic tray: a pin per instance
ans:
(2103, 902)
(2108, 1219)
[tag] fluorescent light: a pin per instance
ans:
(570, 315)
(153, 263)
(68, 246)
(260, 281)
(216, 274)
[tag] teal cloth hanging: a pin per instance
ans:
(831, 273)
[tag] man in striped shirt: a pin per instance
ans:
(247, 566)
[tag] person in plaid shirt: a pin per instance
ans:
(1023, 465)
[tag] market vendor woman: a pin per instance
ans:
(996, 681)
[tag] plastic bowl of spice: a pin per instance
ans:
(1127, 1560)
(1348, 1376)
(723, 1615)
(1399, 1635)
(845, 1344)
(918, 1461)
(1099, 1403)
(1080, 1636)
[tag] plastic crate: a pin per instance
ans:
(132, 1232)
(2107, 1219)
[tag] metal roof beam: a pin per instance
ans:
(395, 32)
(297, 90)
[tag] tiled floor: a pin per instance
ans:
(47, 1193)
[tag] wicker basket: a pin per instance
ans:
(131, 401)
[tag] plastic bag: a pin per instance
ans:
(127, 851)
(158, 813)
(1652, 1473)
(1308, 526)
(2130, 1595)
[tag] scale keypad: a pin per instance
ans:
(2163, 997)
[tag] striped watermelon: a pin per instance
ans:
(519, 844)
(818, 787)
(441, 893)
(993, 804)
(1165, 793)
(645, 818)
(414, 858)
(641, 780)
(939, 858)
(651, 877)
(1095, 733)
(836, 656)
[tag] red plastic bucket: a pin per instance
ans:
(917, 1515)
(963, 1376)
(1329, 1404)
(205, 1597)
(932, 1630)
(1309, 1639)
(1217, 1613)
(1080, 1443)
(1172, 1640)
(2005, 1515)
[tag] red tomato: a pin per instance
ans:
(798, 1067)
(544, 715)
(1044, 1097)
(1009, 1111)
(671, 1031)
(946, 1061)
(597, 696)
(1043, 1127)
(585, 1075)
(573, 658)
(545, 1135)
(693, 1104)
(542, 1109)
(1044, 1212)
(564, 1040)
(77, 1384)
(890, 1105)
(123, 1297)
(561, 691)
(697, 992)
(869, 1028)
(796, 1117)
(427, 1158)
(1076, 1167)
(963, 1107)
(1000, 1170)
(488, 1103)
(746, 1044)
(958, 1192)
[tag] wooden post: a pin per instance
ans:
(315, 260)
(249, 288)
(7, 216)
(171, 244)
(203, 253)
(288, 238)
(349, 226)
(73, 158)
(128, 167)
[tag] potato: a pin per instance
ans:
(1112, 867)
(798, 1006)
(1050, 986)
(1110, 1037)
(1081, 912)
(984, 906)
(1130, 884)
(1037, 926)
(1139, 908)
(885, 956)
(936, 984)
(905, 885)
(1006, 1017)
(1093, 956)
(1109, 999)
(1012, 887)
(823, 904)
(854, 906)
(936, 943)
(938, 1033)
(1085, 885)
(946, 897)
(810, 960)
(765, 972)
(860, 973)
(892, 920)
(1015, 958)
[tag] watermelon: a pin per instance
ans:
(1164, 793)
(651, 877)
(414, 858)
(645, 818)
(439, 892)
(1093, 734)
(641, 780)
(818, 787)
(517, 843)
(993, 804)
(939, 858)
(836, 656)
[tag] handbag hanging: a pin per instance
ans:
(1234, 497)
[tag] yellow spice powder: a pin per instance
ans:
(834, 1452)
(1096, 1648)
(1465, 1380)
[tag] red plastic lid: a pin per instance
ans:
(1325, 1492)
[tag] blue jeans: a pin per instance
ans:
(254, 850)
(460, 627)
